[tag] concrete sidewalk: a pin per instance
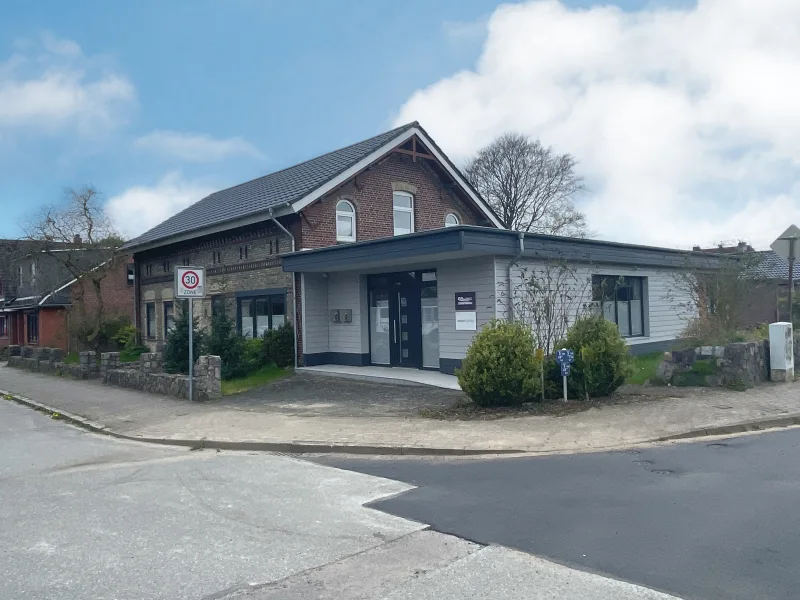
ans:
(153, 418)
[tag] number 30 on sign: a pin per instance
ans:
(190, 282)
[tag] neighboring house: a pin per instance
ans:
(42, 299)
(769, 273)
(388, 235)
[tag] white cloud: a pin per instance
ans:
(686, 122)
(139, 208)
(195, 147)
(53, 86)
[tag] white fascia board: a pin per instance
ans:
(69, 283)
(387, 147)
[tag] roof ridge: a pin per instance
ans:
(308, 160)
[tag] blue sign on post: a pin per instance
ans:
(565, 357)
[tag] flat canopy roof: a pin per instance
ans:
(466, 241)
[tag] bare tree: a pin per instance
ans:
(713, 294)
(78, 236)
(529, 186)
(549, 298)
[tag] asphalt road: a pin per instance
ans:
(708, 520)
(85, 516)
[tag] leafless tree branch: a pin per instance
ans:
(529, 186)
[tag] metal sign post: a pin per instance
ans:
(190, 283)
(565, 358)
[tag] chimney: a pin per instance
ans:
(76, 239)
(696, 249)
(741, 247)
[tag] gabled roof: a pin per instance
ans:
(294, 188)
(770, 266)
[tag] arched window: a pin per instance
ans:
(451, 220)
(403, 204)
(345, 222)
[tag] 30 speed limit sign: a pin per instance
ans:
(190, 282)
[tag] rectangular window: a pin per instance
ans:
(33, 328)
(621, 302)
(216, 257)
(165, 266)
(217, 306)
(186, 261)
(150, 320)
(242, 252)
(277, 246)
(270, 246)
(260, 313)
(169, 318)
(403, 204)
(3, 326)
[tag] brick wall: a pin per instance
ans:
(243, 260)
(52, 328)
(371, 194)
(117, 294)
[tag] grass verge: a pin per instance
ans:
(645, 367)
(261, 377)
(72, 358)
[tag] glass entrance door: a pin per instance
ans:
(404, 320)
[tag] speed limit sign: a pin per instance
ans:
(190, 282)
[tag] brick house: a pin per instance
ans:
(394, 183)
(381, 253)
(41, 300)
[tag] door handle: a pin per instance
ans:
(394, 323)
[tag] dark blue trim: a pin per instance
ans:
(448, 366)
(466, 240)
(336, 358)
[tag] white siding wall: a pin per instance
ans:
(346, 290)
(666, 314)
(315, 313)
(469, 275)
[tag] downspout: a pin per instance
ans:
(294, 286)
(137, 322)
(521, 238)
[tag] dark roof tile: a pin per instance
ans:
(270, 191)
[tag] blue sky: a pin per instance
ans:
(165, 100)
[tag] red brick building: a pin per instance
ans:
(48, 318)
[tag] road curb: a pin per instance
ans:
(307, 447)
(294, 447)
(746, 427)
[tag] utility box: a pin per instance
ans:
(781, 352)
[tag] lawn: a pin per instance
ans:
(72, 358)
(261, 377)
(645, 367)
(132, 354)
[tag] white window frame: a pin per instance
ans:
(406, 209)
(350, 215)
(455, 216)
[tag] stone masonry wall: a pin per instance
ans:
(149, 378)
(145, 375)
(740, 365)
